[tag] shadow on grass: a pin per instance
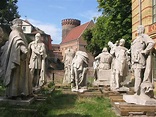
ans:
(60, 104)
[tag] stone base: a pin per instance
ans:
(122, 89)
(140, 100)
(17, 102)
(82, 90)
(103, 77)
(36, 89)
(101, 83)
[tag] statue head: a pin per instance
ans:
(104, 49)
(17, 21)
(37, 37)
(140, 29)
(17, 24)
(121, 42)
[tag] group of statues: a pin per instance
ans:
(120, 61)
(138, 58)
(22, 64)
(76, 67)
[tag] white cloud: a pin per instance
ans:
(48, 28)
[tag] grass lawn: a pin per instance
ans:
(61, 105)
(65, 105)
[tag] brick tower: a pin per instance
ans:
(67, 25)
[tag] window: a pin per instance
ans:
(24, 28)
(154, 11)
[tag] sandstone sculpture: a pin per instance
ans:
(79, 70)
(119, 65)
(37, 61)
(69, 55)
(141, 57)
(14, 61)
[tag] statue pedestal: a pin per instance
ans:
(21, 102)
(81, 90)
(103, 77)
(140, 100)
(122, 89)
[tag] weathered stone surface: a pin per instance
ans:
(137, 99)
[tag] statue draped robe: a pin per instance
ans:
(15, 71)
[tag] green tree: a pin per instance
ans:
(8, 12)
(112, 25)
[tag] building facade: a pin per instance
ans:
(144, 12)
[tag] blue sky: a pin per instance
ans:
(48, 14)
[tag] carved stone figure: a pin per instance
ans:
(37, 61)
(119, 65)
(14, 61)
(141, 57)
(105, 60)
(69, 55)
(79, 70)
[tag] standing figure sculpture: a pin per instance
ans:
(37, 61)
(141, 58)
(79, 70)
(15, 70)
(120, 64)
(69, 55)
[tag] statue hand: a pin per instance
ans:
(24, 49)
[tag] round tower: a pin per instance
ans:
(67, 25)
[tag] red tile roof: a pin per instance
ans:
(75, 33)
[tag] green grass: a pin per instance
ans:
(62, 105)
(65, 105)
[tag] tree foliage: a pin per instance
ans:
(112, 25)
(8, 12)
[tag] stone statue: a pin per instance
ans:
(141, 58)
(112, 50)
(69, 55)
(105, 60)
(103, 68)
(14, 62)
(79, 70)
(120, 64)
(37, 61)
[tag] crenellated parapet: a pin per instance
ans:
(71, 22)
